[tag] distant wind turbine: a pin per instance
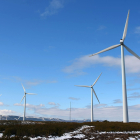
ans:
(0, 115)
(70, 111)
(125, 107)
(92, 90)
(24, 97)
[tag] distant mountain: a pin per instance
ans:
(42, 119)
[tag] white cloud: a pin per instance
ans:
(133, 82)
(134, 95)
(137, 30)
(109, 61)
(101, 112)
(132, 67)
(41, 105)
(99, 105)
(28, 105)
(53, 8)
(17, 104)
(7, 112)
(72, 98)
(54, 104)
(33, 83)
(131, 89)
(37, 82)
(1, 104)
(51, 103)
(117, 101)
(28, 83)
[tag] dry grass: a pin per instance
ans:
(59, 128)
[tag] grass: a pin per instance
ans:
(18, 129)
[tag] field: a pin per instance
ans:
(57, 130)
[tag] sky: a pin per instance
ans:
(45, 45)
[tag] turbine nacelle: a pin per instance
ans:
(121, 41)
(91, 87)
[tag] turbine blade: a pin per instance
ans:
(96, 80)
(131, 51)
(31, 93)
(126, 25)
(23, 98)
(95, 95)
(107, 49)
(1, 94)
(23, 88)
(82, 86)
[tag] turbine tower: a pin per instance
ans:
(24, 97)
(70, 111)
(0, 115)
(125, 106)
(92, 90)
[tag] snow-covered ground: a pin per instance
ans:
(1, 134)
(78, 134)
(85, 133)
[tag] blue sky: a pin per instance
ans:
(46, 46)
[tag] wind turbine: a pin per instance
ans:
(24, 97)
(92, 90)
(70, 111)
(125, 107)
(0, 115)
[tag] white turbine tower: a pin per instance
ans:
(125, 107)
(0, 115)
(92, 90)
(24, 97)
